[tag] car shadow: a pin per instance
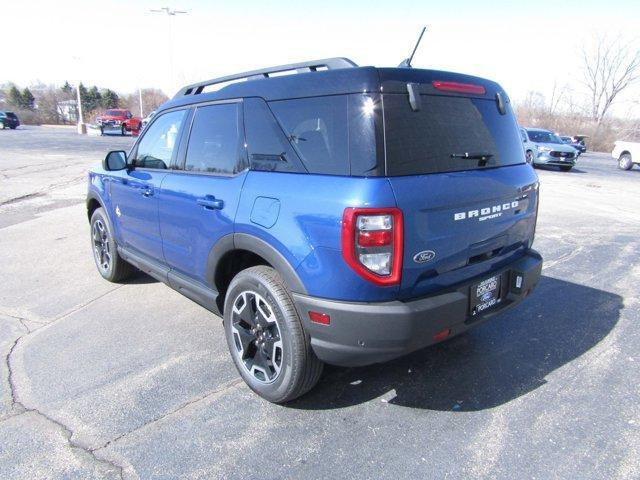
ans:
(493, 364)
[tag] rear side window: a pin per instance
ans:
(448, 134)
(268, 147)
(157, 146)
(214, 144)
(318, 129)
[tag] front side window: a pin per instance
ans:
(214, 144)
(157, 146)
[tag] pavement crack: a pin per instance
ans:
(218, 391)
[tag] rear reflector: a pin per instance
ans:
(459, 87)
(321, 318)
(438, 337)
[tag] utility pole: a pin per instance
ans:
(140, 98)
(82, 128)
(170, 13)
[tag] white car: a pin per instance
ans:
(530, 148)
(627, 153)
(549, 150)
(147, 119)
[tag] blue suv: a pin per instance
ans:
(329, 213)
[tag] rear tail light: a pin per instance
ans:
(459, 87)
(372, 243)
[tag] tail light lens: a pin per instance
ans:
(372, 241)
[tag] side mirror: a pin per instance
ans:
(115, 160)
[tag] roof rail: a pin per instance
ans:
(310, 66)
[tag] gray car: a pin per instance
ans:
(550, 149)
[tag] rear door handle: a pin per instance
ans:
(147, 192)
(211, 203)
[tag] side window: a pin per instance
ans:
(319, 131)
(523, 135)
(214, 144)
(159, 141)
(269, 150)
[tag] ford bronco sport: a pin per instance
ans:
(340, 214)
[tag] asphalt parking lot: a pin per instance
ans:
(134, 381)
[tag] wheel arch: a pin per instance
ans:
(235, 252)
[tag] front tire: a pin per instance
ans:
(566, 168)
(625, 162)
(267, 342)
(529, 157)
(105, 253)
(123, 130)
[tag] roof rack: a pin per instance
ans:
(310, 66)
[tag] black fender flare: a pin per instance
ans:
(243, 241)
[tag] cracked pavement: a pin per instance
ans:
(133, 380)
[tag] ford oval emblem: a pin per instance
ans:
(424, 256)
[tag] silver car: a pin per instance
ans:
(550, 149)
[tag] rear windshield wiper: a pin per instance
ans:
(473, 156)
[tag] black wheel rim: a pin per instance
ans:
(101, 249)
(256, 337)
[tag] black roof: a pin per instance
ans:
(343, 79)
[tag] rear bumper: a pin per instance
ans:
(366, 333)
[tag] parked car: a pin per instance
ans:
(571, 141)
(627, 154)
(551, 150)
(9, 120)
(119, 119)
(530, 148)
(147, 119)
(339, 214)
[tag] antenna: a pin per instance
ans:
(406, 63)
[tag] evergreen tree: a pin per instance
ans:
(15, 97)
(67, 88)
(95, 99)
(28, 100)
(110, 99)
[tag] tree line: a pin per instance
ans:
(41, 103)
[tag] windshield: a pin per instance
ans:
(114, 113)
(541, 136)
(448, 134)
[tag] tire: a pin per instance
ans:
(105, 253)
(625, 162)
(529, 157)
(267, 342)
(13, 127)
(123, 130)
(566, 168)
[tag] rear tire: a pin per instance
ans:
(265, 336)
(625, 162)
(105, 252)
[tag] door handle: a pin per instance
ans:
(147, 192)
(211, 203)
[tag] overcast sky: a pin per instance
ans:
(121, 45)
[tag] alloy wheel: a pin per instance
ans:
(256, 336)
(101, 249)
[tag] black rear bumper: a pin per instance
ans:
(366, 333)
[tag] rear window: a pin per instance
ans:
(448, 134)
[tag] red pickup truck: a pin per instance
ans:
(119, 119)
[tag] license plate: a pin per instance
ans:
(485, 295)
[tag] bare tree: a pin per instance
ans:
(609, 67)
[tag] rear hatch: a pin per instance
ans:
(455, 161)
